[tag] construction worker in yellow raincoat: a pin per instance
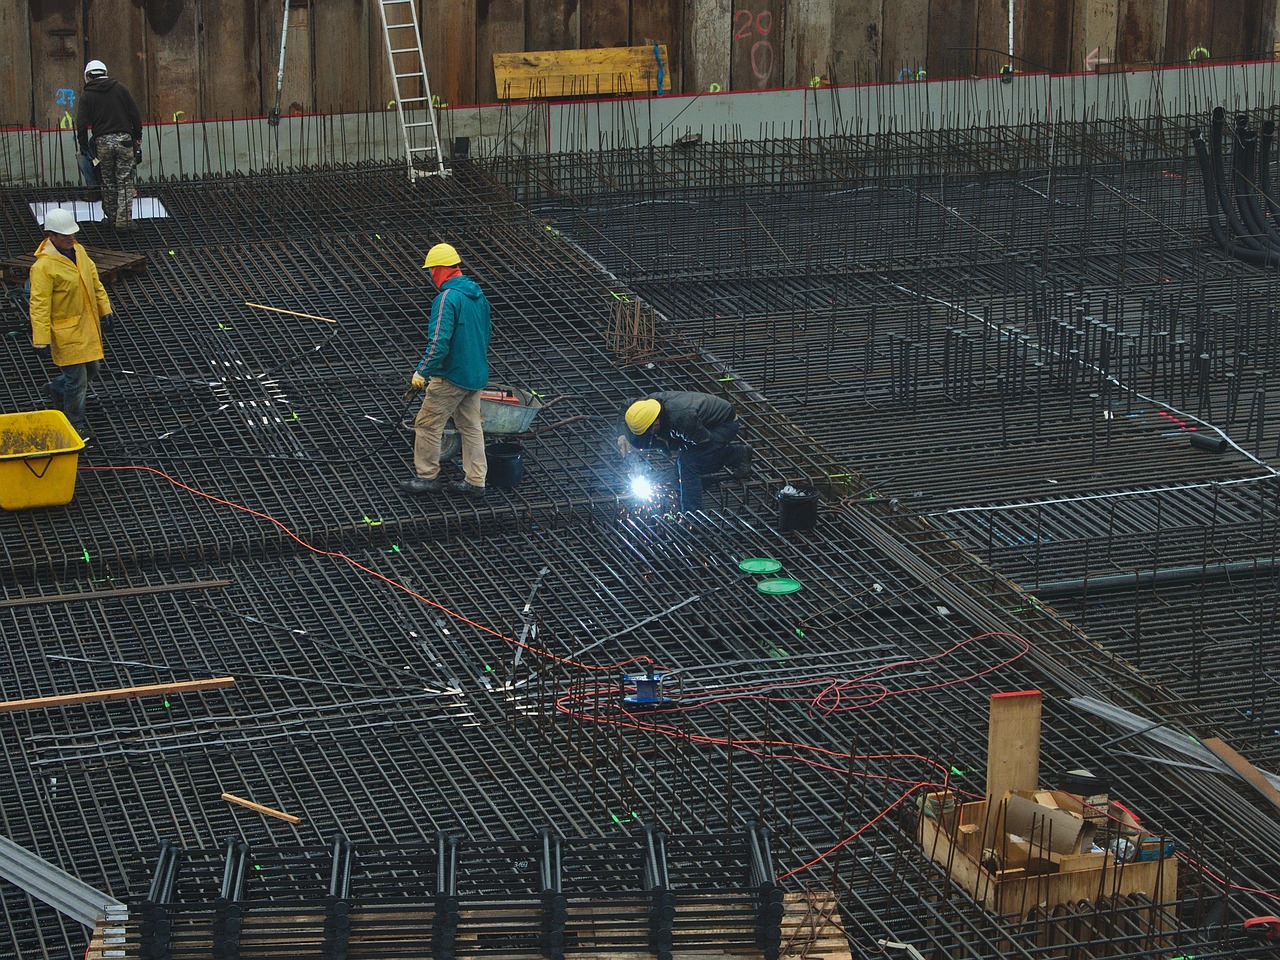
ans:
(69, 309)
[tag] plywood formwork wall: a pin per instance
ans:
(201, 59)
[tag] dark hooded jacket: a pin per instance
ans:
(106, 106)
(685, 420)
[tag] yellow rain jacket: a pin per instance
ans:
(67, 301)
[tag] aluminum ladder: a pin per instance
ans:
(413, 90)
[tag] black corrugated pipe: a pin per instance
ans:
(1264, 170)
(1243, 170)
(1234, 226)
(1247, 254)
(1112, 582)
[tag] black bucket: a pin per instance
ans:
(505, 464)
(797, 509)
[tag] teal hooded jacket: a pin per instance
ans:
(458, 335)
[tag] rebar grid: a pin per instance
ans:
(380, 716)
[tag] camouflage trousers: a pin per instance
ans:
(118, 171)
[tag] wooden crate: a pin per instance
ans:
(954, 840)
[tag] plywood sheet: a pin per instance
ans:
(15, 65)
(57, 61)
(659, 21)
(808, 39)
(706, 49)
(757, 58)
(906, 36)
(598, 71)
(117, 35)
(1140, 31)
(499, 29)
(605, 23)
(552, 24)
(232, 38)
(341, 36)
(993, 38)
(857, 36)
(953, 35)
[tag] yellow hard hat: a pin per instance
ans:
(441, 255)
(641, 414)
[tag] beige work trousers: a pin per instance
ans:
(442, 401)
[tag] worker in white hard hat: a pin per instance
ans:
(698, 428)
(453, 371)
(107, 113)
(69, 308)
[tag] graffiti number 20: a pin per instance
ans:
(757, 25)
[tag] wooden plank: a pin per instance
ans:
(259, 808)
(57, 61)
(906, 41)
(118, 693)
(1094, 38)
(706, 47)
(16, 107)
(341, 37)
(857, 34)
(993, 38)
(953, 35)
(659, 21)
(1189, 31)
(561, 73)
(552, 24)
(605, 23)
(808, 41)
(172, 62)
(382, 92)
(499, 29)
(117, 32)
(298, 95)
(231, 93)
(1139, 34)
(1013, 747)
(1244, 769)
(1226, 39)
(449, 45)
(1047, 32)
(757, 57)
(108, 594)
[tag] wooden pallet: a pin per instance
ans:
(109, 263)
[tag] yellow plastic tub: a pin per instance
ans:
(39, 453)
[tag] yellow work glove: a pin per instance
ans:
(418, 383)
(624, 447)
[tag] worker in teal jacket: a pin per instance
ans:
(453, 370)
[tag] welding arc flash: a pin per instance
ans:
(642, 488)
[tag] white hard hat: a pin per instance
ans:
(59, 220)
(95, 68)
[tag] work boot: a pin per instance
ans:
(741, 469)
(466, 489)
(418, 486)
